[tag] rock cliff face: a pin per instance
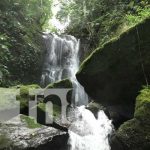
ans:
(114, 73)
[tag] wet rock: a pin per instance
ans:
(115, 143)
(119, 114)
(23, 133)
(96, 107)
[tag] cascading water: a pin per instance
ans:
(89, 133)
(62, 61)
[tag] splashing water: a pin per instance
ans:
(89, 133)
(62, 61)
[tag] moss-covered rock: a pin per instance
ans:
(135, 134)
(113, 74)
(66, 83)
(143, 106)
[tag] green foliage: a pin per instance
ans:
(101, 20)
(20, 42)
(135, 135)
(24, 90)
(141, 14)
(92, 16)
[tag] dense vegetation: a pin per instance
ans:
(117, 31)
(21, 22)
(101, 20)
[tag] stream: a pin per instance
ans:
(62, 61)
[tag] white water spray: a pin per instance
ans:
(89, 133)
(62, 61)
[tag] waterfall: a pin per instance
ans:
(62, 61)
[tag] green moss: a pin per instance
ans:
(112, 74)
(101, 48)
(31, 123)
(143, 98)
(142, 110)
(24, 90)
(132, 19)
(135, 133)
(66, 83)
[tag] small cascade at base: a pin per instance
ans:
(89, 133)
(62, 61)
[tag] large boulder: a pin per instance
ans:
(113, 74)
(95, 108)
(135, 133)
(23, 133)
